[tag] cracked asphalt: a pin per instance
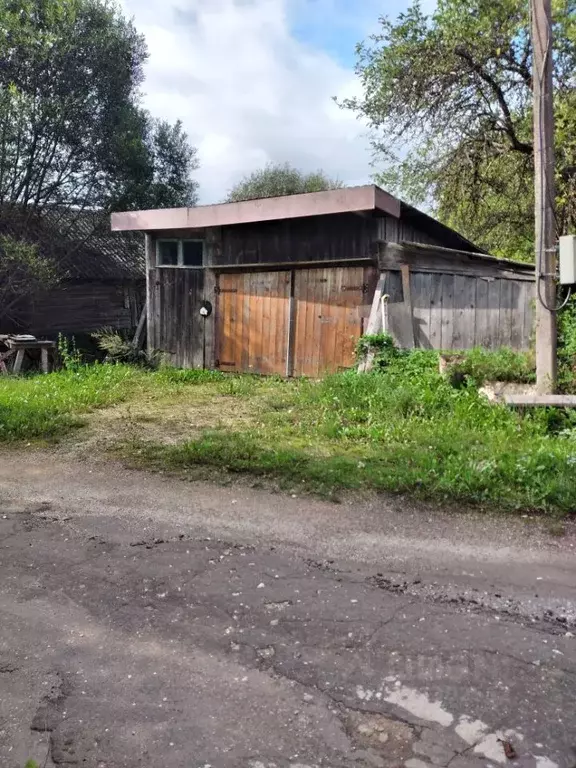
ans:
(147, 621)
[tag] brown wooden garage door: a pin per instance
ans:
(328, 318)
(252, 322)
(301, 323)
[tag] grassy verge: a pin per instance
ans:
(44, 407)
(47, 406)
(403, 428)
(50, 406)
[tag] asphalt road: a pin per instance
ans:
(146, 621)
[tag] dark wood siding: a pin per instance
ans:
(84, 307)
(453, 302)
(394, 230)
(177, 326)
(318, 238)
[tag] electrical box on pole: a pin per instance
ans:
(567, 260)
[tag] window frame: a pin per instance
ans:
(180, 263)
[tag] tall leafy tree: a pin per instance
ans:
(73, 134)
(448, 97)
(156, 172)
(277, 180)
(72, 131)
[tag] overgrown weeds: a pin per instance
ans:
(503, 364)
(119, 348)
(400, 428)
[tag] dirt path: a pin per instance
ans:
(146, 621)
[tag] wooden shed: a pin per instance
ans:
(289, 283)
(101, 277)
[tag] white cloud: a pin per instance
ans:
(247, 91)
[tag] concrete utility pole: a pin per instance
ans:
(545, 193)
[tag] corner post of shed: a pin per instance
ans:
(212, 252)
(150, 253)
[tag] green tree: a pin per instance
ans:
(448, 97)
(277, 180)
(73, 136)
(72, 132)
(23, 272)
(157, 173)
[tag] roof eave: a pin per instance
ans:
(336, 201)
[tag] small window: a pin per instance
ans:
(180, 253)
(192, 253)
(168, 253)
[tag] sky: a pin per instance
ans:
(253, 82)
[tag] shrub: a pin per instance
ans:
(502, 364)
(381, 345)
(119, 349)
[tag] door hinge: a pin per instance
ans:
(219, 290)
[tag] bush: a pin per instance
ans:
(567, 347)
(481, 365)
(381, 345)
(119, 349)
(478, 365)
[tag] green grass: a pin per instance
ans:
(47, 406)
(403, 428)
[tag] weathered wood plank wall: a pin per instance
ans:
(460, 311)
(175, 327)
(252, 316)
(394, 230)
(303, 322)
(331, 307)
(458, 299)
(84, 307)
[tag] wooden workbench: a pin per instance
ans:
(19, 347)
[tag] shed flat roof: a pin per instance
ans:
(346, 200)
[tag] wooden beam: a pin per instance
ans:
(263, 266)
(19, 360)
(542, 401)
(138, 340)
(291, 328)
(436, 259)
(149, 246)
(405, 246)
(44, 360)
(408, 315)
(374, 324)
